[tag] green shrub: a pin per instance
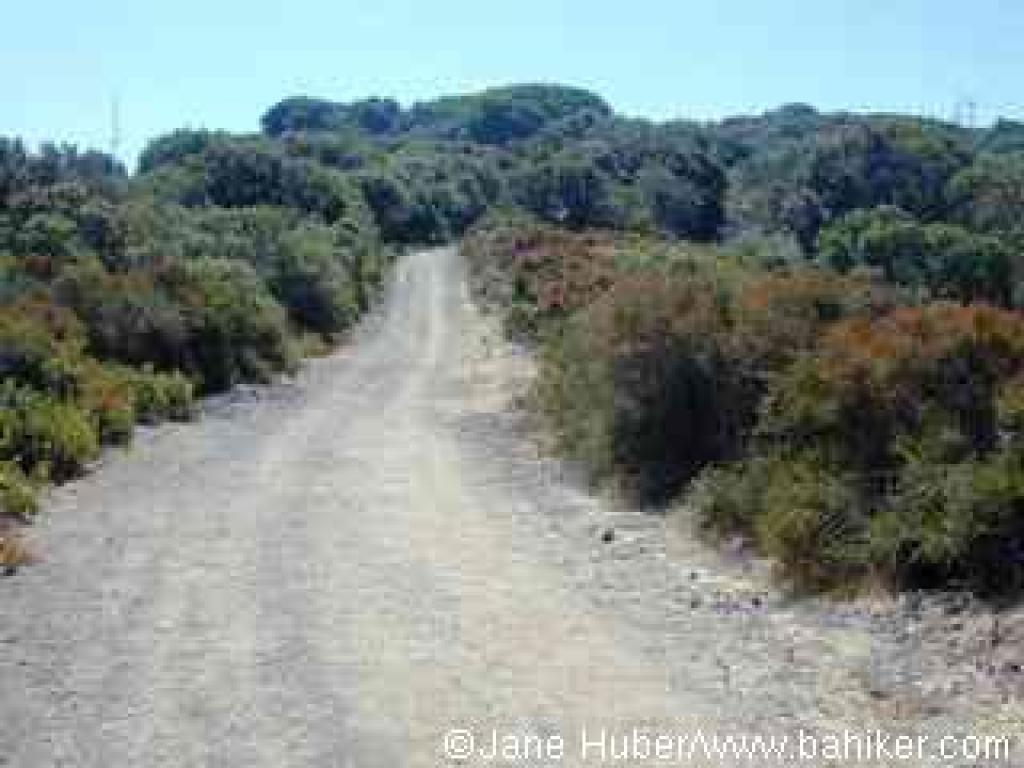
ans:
(797, 511)
(643, 381)
(570, 366)
(160, 397)
(811, 522)
(960, 523)
(127, 317)
(937, 261)
(237, 332)
(44, 434)
(726, 499)
(17, 492)
(310, 279)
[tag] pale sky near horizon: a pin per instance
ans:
(221, 63)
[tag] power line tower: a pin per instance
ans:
(115, 127)
(965, 112)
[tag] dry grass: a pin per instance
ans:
(14, 552)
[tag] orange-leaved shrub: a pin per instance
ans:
(913, 421)
(663, 373)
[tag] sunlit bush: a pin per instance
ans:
(45, 435)
(18, 497)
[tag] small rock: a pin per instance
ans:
(756, 601)
(736, 546)
(608, 535)
(10, 570)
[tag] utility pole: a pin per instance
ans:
(115, 127)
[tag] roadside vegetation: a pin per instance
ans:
(835, 381)
(804, 326)
(120, 302)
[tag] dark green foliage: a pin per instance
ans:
(1003, 137)
(313, 280)
(989, 195)
(302, 114)
(901, 163)
(306, 115)
(796, 509)
(938, 260)
(661, 399)
(961, 523)
(571, 192)
(126, 317)
(176, 147)
(236, 331)
(496, 116)
(501, 115)
(686, 205)
(430, 172)
(401, 216)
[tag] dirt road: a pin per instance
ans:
(338, 571)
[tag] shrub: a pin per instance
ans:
(43, 434)
(569, 191)
(938, 261)
(17, 492)
(161, 396)
(810, 521)
(874, 383)
(656, 351)
(656, 356)
(40, 345)
(913, 420)
(127, 317)
(726, 498)
(106, 392)
(795, 510)
(237, 332)
(536, 274)
(309, 278)
(959, 522)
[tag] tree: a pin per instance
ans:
(935, 260)
(902, 163)
(989, 195)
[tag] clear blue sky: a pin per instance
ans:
(220, 63)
